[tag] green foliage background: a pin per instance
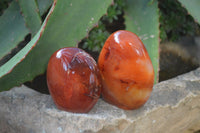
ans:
(175, 21)
(52, 25)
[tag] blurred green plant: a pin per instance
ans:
(98, 35)
(61, 28)
(68, 22)
(175, 21)
(4, 5)
(96, 39)
(114, 11)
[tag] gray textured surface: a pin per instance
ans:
(174, 106)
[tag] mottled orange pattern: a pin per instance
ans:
(126, 70)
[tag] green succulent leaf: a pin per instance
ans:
(65, 25)
(44, 5)
(31, 15)
(193, 8)
(142, 18)
(12, 29)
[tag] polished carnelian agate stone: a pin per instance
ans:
(127, 71)
(73, 80)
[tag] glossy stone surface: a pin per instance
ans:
(73, 80)
(126, 69)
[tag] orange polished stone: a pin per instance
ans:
(126, 70)
(73, 80)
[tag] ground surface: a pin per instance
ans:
(172, 108)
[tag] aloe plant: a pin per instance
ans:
(66, 24)
(141, 17)
(12, 29)
(31, 15)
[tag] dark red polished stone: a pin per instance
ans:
(73, 80)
